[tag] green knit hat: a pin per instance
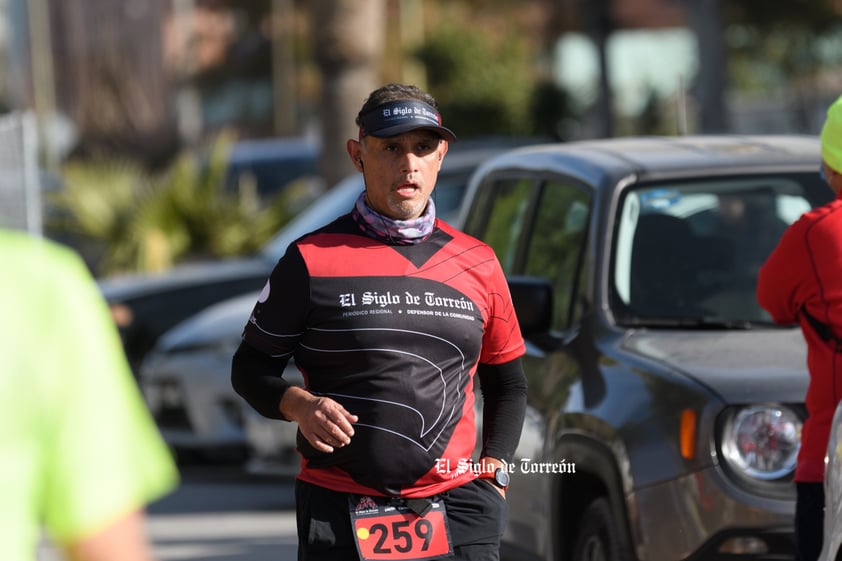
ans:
(832, 136)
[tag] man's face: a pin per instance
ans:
(400, 171)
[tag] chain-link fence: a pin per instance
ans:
(20, 193)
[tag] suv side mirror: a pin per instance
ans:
(533, 301)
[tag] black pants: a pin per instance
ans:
(809, 520)
(476, 513)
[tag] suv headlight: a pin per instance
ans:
(761, 441)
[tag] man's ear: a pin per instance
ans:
(355, 151)
(442, 149)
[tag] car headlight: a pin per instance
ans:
(762, 441)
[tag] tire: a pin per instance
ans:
(598, 538)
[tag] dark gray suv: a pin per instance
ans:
(665, 407)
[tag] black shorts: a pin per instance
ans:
(809, 520)
(476, 513)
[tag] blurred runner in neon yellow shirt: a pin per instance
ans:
(80, 455)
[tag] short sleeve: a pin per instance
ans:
(502, 340)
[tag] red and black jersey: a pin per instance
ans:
(394, 333)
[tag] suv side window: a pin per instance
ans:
(500, 218)
(557, 245)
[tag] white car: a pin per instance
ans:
(186, 377)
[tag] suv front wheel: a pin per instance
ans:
(598, 538)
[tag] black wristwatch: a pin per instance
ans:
(499, 477)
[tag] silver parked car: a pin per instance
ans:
(186, 377)
(665, 407)
(832, 546)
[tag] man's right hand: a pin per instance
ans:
(325, 423)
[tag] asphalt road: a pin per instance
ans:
(217, 514)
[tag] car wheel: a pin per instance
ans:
(598, 538)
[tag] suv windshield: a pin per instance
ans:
(687, 253)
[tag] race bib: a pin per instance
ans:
(396, 532)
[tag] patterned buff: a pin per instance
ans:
(388, 230)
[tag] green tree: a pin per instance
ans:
(781, 48)
(93, 212)
(132, 220)
(482, 82)
(550, 108)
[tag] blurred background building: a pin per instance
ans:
(148, 80)
(149, 76)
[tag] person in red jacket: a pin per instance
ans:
(801, 281)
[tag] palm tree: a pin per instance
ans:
(599, 25)
(704, 17)
(348, 42)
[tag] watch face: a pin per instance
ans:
(501, 477)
